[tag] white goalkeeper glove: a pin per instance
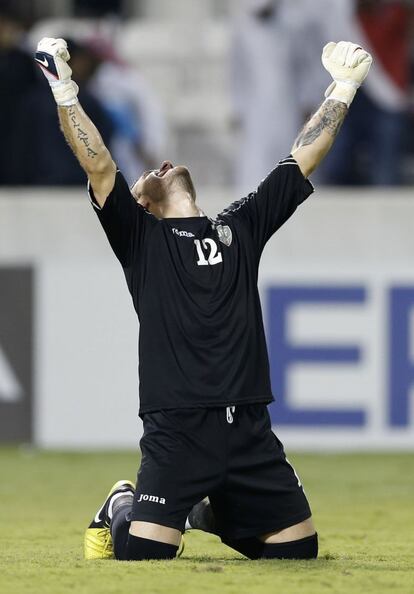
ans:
(348, 64)
(52, 56)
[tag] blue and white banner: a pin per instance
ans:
(342, 362)
(16, 353)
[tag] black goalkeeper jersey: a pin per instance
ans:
(193, 283)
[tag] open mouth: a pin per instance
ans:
(165, 167)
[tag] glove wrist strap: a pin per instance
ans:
(343, 91)
(65, 92)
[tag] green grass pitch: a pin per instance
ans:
(363, 507)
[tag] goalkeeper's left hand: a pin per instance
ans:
(348, 64)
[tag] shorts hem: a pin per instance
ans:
(157, 520)
(268, 528)
(207, 405)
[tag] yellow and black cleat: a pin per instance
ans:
(98, 540)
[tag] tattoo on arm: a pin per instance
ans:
(329, 118)
(88, 147)
(81, 135)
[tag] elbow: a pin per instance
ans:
(101, 165)
(307, 160)
(317, 159)
(309, 168)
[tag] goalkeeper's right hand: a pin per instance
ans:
(52, 56)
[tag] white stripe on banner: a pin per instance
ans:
(10, 388)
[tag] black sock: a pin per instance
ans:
(249, 547)
(120, 524)
(305, 548)
(253, 548)
(140, 549)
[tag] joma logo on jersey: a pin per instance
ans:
(182, 233)
(151, 499)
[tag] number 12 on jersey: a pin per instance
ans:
(207, 252)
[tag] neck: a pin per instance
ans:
(178, 205)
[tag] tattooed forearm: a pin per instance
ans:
(328, 118)
(318, 135)
(84, 139)
(95, 159)
(81, 135)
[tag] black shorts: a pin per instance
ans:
(234, 458)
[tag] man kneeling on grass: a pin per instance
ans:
(204, 371)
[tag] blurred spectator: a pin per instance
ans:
(97, 8)
(276, 79)
(40, 153)
(263, 89)
(138, 122)
(370, 148)
(17, 76)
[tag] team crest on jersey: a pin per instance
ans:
(225, 235)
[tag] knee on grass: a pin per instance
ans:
(304, 548)
(253, 548)
(142, 549)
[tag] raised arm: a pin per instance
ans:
(81, 134)
(348, 64)
(89, 148)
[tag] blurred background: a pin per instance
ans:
(224, 87)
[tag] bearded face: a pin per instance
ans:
(154, 186)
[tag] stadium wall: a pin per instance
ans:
(337, 286)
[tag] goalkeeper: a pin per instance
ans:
(203, 365)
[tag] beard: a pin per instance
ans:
(183, 178)
(158, 189)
